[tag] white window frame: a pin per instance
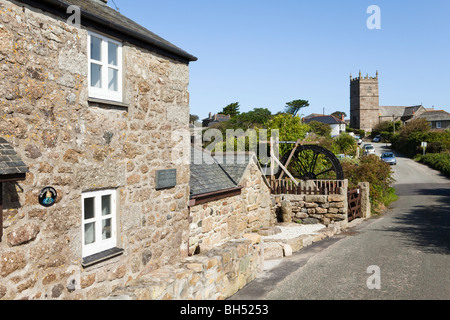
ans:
(104, 93)
(99, 245)
(438, 125)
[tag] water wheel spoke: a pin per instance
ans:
(309, 159)
(324, 172)
(302, 166)
(314, 161)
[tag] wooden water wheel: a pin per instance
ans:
(311, 162)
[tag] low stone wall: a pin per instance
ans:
(216, 222)
(311, 209)
(215, 275)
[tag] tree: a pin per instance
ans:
(294, 107)
(193, 118)
(232, 109)
(338, 114)
(290, 129)
(322, 129)
(256, 117)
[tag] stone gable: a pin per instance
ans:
(76, 144)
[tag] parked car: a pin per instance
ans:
(369, 149)
(343, 156)
(389, 158)
(377, 139)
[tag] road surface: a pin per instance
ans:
(404, 255)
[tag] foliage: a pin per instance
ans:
(379, 174)
(345, 143)
(290, 129)
(294, 107)
(360, 133)
(256, 118)
(232, 109)
(409, 140)
(386, 126)
(322, 129)
(193, 118)
(438, 161)
(339, 114)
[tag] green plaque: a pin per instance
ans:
(166, 179)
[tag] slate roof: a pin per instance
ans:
(435, 115)
(10, 162)
(111, 21)
(207, 175)
(234, 166)
(325, 119)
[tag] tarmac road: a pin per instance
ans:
(407, 251)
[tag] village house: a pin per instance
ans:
(88, 103)
(214, 119)
(337, 125)
(438, 119)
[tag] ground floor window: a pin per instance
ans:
(99, 221)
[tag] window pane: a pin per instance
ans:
(96, 75)
(106, 229)
(89, 209)
(112, 53)
(106, 205)
(89, 233)
(113, 79)
(96, 48)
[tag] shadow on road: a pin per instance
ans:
(427, 227)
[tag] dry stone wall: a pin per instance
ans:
(75, 146)
(311, 209)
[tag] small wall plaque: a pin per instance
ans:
(47, 197)
(166, 179)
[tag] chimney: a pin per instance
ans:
(342, 117)
(210, 115)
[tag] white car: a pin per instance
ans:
(369, 149)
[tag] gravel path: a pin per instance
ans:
(294, 231)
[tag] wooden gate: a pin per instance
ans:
(354, 204)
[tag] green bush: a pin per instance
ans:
(379, 174)
(438, 161)
(344, 143)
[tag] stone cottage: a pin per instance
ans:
(230, 197)
(89, 101)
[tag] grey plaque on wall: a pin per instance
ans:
(166, 179)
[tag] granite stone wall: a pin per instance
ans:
(76, 145)
(214, 223)
(312, 209)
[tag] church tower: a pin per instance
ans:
(364, 102)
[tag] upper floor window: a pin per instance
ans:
(105, 68)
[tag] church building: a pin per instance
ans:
(365, 109)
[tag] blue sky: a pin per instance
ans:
(264, 53)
